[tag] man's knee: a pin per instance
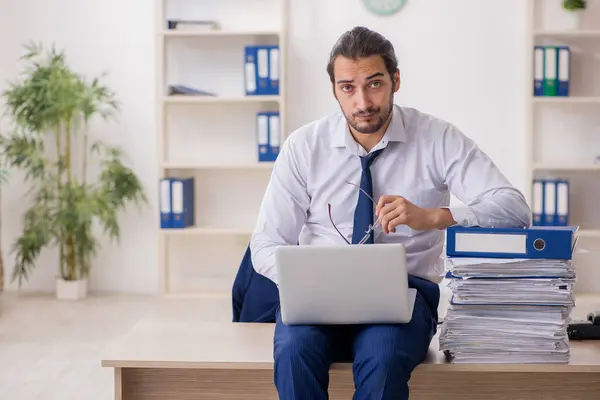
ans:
(391, 351)
(293, 343)
(300, 343)
(395, 362)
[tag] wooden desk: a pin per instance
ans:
(234, 361)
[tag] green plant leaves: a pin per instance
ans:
(38, 232)
(26, 152)
(574, 5)
(52, 102)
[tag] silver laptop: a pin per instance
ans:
(356, 284)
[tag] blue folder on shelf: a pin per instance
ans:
(251, 70)
(272, 84)
(268, 135)
(548, 242)
(538, 71)
(177, 203)
(182, 202)
(261, 70)
(551, 202)
(563, 71)
(166, 217)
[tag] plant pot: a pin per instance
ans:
(562, 19)
(571, 20)
(71, 290)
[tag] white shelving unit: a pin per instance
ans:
(213, 139)
(563, 133)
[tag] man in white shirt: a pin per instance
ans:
(406, 164)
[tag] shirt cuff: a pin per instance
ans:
(464, 216)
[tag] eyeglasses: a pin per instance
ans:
(369, 232)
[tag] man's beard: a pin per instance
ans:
(374, 125)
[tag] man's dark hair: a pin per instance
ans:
(362, 42)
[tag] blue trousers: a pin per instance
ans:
(383, 356)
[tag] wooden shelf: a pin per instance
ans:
(567, 99)
(566, 167)
(190, 99)
(214, 138)
(560, 135)
(208, 231)
(568, 34)
(593, 233)
(196, 166)
(217, 33)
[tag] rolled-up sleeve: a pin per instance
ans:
(490, 199)
(283, 210)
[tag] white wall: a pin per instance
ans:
(117, 37)
(462, 60)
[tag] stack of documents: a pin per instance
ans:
(512, 294)
(507, 310)
(509, 267)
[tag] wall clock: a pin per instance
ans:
(384, 7)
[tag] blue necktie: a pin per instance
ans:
(363, 214)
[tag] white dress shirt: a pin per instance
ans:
(425, 160)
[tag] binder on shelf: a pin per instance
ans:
(564, 71)
(274, 135)
(261, 70)
(537, 207)
(530, 243)
(550, 70)
(549, 202)
(182, 202)
(538, 71)
(251, 70)
(165, 203)
(262, 136)
(562, 202)
(268, 134)
(274, 65)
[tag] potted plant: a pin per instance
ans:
(50, 108)
(573, 10)
(574, 5)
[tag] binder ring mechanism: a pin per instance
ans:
(539, 244)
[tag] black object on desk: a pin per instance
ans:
(585, 330)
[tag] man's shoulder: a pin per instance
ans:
(317, 132)
(424, 125)
(418, 120)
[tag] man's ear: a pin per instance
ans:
(396, 80)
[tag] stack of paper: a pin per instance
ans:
(509, 267)
(508, 311)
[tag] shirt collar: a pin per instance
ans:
(395, 133)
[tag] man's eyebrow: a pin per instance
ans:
(376, 74)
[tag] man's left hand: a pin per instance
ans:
(396, 210)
